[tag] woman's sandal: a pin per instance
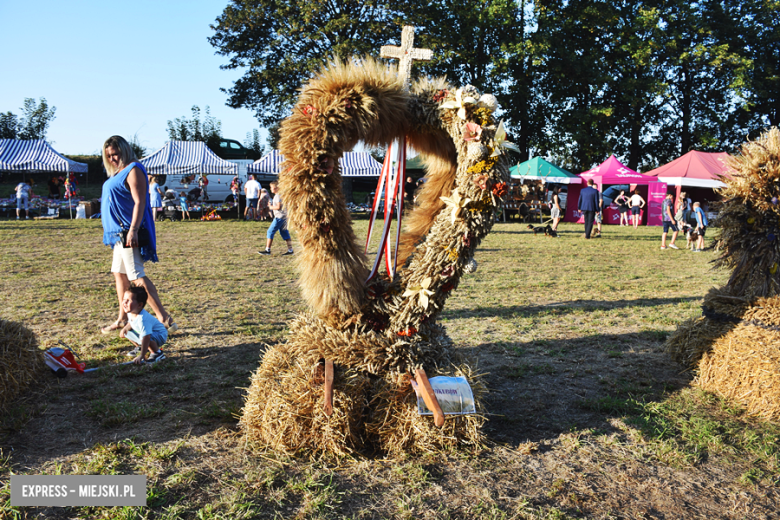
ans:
(117, 325)
(170, 325)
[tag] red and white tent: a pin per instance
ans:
(695, 170)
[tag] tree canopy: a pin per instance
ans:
(647, 80)
(33, 124)
(209, 130)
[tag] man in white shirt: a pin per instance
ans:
(252, 192)
(279, 224)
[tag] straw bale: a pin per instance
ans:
(21, 361)
(284, 410)
(743, 365)
(749, 238)
(693, 338)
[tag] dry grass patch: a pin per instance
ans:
(589, 418)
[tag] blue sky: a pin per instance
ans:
(116, 68)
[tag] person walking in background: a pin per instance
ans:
(637, 203)
(203, 184)
(23, 194)
(235, 188)
(128, 227)
(701, 226)
(589, 203)
(155, 196)
(185, 208)
(555, 209)
(279, 224)
(623, 202)
(668, 220)
(252, 192)
(262, 205)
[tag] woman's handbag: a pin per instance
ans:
(142, 236)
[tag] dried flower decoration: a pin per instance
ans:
(481, 181)
(500, 190)
(500, 141)
(440, 95)
(462, 102)
(421, 291)
(411, 331)
(471, 132)
(455, 203)
(309, 111)
(448, 271)
(484, 166)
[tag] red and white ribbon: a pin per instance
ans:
(391, 184)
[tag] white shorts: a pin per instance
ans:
(127, 260)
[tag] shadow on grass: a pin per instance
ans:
(522, 311)
(191, 392)
(541, 389)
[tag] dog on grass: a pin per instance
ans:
(547, 230)
(691, 236)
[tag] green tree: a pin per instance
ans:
(705, 76)
(8, 125)
(281, 43)
(573, 79)
(754, 28)
(209, 130)
(252, 141)
(34, 123)
(469, 39)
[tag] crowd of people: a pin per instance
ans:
(675, 215)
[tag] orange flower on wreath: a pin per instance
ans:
(500, 189)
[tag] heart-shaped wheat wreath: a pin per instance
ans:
(377, 332)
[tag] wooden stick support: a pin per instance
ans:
(429, 397)
(328, 406)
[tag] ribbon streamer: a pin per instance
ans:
(390, 183)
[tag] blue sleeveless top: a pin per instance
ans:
(116, 211)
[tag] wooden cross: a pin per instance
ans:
(406, 53)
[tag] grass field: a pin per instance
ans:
(589, 418)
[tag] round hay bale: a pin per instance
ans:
(743, 365)
(21, 361)
(284, 406)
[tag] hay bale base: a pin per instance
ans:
(373, 410)
(744, 366)
(21, 361)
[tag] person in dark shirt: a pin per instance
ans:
(589, 204)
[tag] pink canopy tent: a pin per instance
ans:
(612, 172)
(696, 172)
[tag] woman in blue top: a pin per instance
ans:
(155, 196)
(125, 207)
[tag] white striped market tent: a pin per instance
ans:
(269, 164)
(35, 155)
(185, 158)
(359, 164)
(352, 164)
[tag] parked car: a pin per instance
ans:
(232, 149)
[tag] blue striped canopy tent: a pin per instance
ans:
(186, 158)
(269, 164)
(359, 164)
(352, 164)
(35, 155)
(539, 169)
